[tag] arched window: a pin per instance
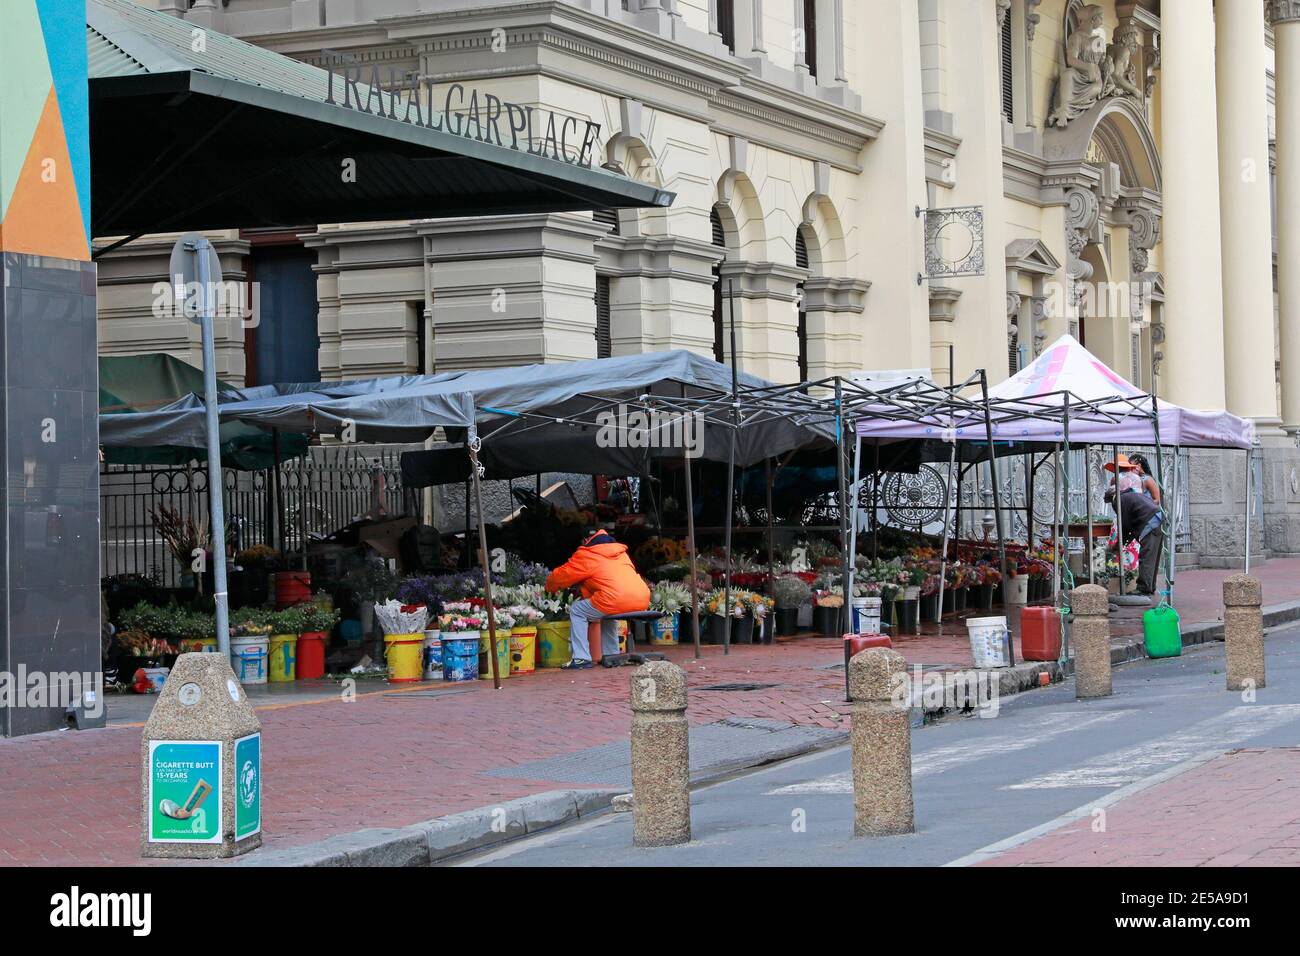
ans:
(801, 260)
(720, 240)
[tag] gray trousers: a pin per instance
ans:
(1150, 549)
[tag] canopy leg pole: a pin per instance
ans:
(1248, 477)
(473, 444)
(303, 498)
(855, 490)
(1029, 500)
(992, 472)
(1056, 527)
(1173, 530)
(690, 550)
(948, 514)
(1087, 499)
(1063, 473)
(875, 506)
(731, 507)
(846, 566)
(771, 532)
(1119, 520)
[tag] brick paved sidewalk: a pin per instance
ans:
(392, 759)
(1240, 809)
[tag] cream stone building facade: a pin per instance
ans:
(1132, 168)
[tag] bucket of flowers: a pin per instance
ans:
(670, 598)
(716, 608)
(828, 611)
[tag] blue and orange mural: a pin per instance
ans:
(44, 129)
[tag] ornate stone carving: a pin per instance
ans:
(1282, 11)
(1080, 82)
(1082, 209)
(1013, 304)
(1038, 322)
(1091, 70)
(1004, 7)
(1031, 18)
(1120, 67)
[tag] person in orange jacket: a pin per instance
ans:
(607, 579)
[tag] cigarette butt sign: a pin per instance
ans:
(185, 791)
(248, 786)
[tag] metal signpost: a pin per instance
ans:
(194, 263)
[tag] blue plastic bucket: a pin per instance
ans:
(460, 656)
(248, 658)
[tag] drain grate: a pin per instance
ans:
(737, 687)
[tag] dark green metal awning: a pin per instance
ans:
(235, 135)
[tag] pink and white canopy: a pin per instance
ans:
(1104, 409)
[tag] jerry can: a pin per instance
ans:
(1160, 632)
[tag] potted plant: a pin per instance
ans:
(760, 608)
(908, 605)
(317, 622)
(828, 613)
(928, 603)
(715, 608)
(790, 593)
(459, 627)
(668, 597)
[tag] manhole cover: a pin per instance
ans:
(735, 687)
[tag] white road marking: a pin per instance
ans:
(944, 758)
(1120, 767)
(1079, 813)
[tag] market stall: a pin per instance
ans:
(1064, 399)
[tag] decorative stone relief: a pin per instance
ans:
(1120, 66)
(1038, 320)
(1080, 82)
(1282, 11)
(1031, 18)
(1090, 70)
(1004, 7)
(1082, 210)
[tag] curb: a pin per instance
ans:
(430, 842)
(1207, 632)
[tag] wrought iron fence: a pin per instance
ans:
(320, 492)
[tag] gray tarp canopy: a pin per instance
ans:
(533, 417)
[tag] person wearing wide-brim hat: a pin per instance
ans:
(1134, 477)
(1141, 518)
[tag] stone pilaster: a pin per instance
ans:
(512, 290)
(767, 317)
(835, 324)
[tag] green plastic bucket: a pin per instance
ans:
(1160, 632)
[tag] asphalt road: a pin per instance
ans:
(976, 781)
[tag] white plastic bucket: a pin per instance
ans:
(1017, 589)
(248, 658)
(866, 615)
(988, 641)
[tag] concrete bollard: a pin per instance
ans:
(1243, 631)
(1090, 634)
(881, 735)
(201, 765)
(661, 803)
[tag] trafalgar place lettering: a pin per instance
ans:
(484, 117)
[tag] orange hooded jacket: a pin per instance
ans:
(605, 574)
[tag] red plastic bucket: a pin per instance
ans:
(311, 655)
(1040, 633)
(292, 587)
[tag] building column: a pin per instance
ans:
(833, 308)
(767, 317)
(1192, 261)
(1286, 69)
(1244, 205)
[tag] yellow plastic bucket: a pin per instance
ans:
(283, 653)
(503, 654)
(523, 650)
(405, 653)
(553, 644)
